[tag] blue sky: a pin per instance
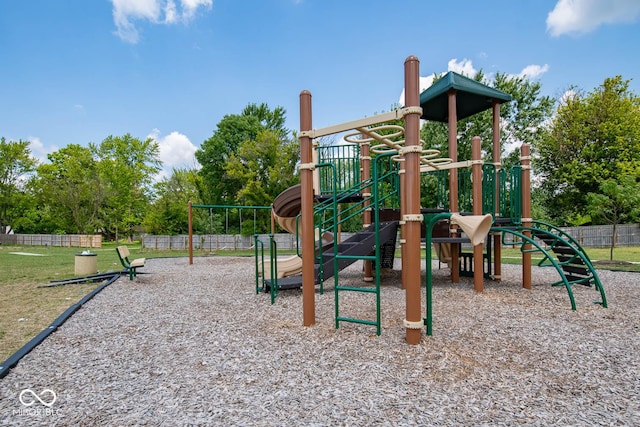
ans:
(77, 71)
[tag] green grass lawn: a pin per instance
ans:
(26, 309)
(625, 258)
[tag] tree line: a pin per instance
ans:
(586, 157)
(111, 188)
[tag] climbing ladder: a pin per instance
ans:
(365, 245)
(376, 243)
(559, 250)
(380, 237)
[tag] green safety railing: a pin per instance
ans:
(258, 251)
(345, 159)
(327, 225)
(273, 266)
(488, 189)
(515, 194)
(549, 259)
(259, 257)
(504, 205)
(562, 234)
(508, 184)
(465, 191)
(442, 192)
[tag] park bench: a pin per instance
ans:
(131, 266)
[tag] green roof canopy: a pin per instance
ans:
(471, 97)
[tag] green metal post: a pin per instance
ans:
(274, 268)
(428, 321)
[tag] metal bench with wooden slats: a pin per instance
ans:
(131, 266)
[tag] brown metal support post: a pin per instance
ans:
(525, 162)
(476, 179)
(453, 182)
(365, 174)
(412, 195)
(189, 215)
(306, 195)
(497, 242)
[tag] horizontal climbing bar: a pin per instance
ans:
(367, 121)
(456, 165)
(360, 321)
(356, 289)
(363, 257)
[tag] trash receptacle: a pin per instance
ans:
(86, 263)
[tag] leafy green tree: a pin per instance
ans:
(592, 138)
(264, 167)
(15, 164)
(522, 120)
(618, 202)
(218, 187)
(272, 120)
(70, 186)
(168, 214)
(36, 218)
(127, 167)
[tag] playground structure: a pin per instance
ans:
(377, 178)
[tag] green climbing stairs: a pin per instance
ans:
(560, 251)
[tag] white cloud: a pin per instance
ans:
(170, 12)
(126, 12)
(567, 96)
(583, 16)
(534, 71)
(464, 67)
(176, 151)
(189, 7)
(424, 83)
(38, 150)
